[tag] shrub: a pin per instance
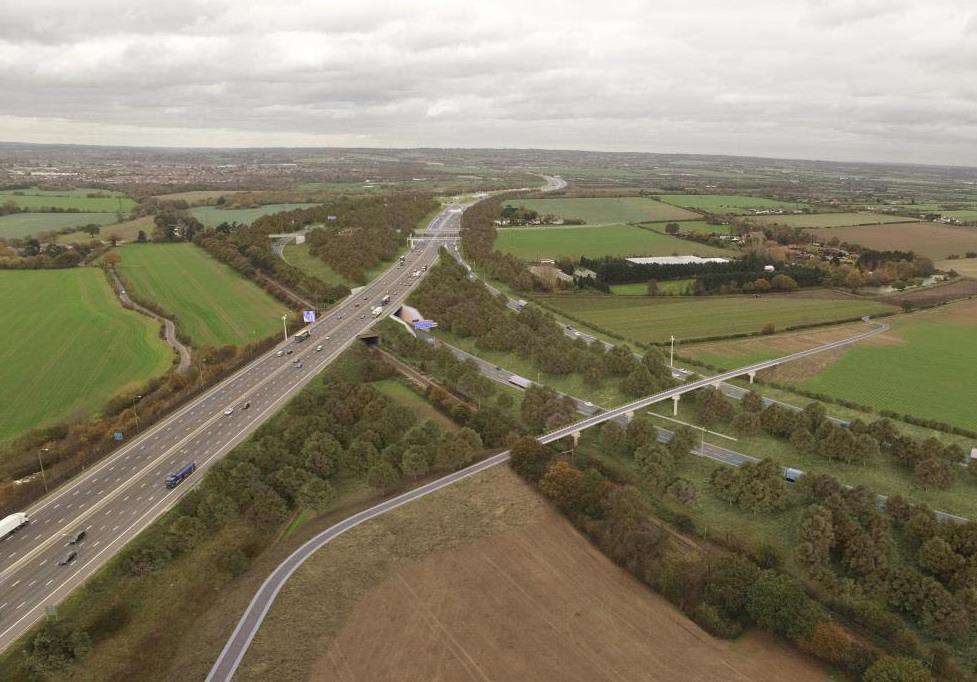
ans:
(897, 669)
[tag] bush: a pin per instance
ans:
(897, 669)
(712, 621)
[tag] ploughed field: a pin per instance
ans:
(607, 210)
(926, 239)
(655, 318)
(67, 345)
(484, 580)
(926, 365)
(532, 243)
(211, 216)
(211, 303)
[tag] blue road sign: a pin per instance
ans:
(117, 435)
(425, 324)
(308, 316)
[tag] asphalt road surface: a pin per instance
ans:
(120, 496)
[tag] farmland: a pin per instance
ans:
(725, 203)
(211, 303)
(927, 239)
(698, 227)
(66, 346)
(829, 219)
(594, 241)
(925, 366)
(481, 577)
(127, 231)
(212, 216)
(966, 215)
(200, 196)
(20, 225)
(677, 287)
(76, 200)
(654, 319)
(607, 211)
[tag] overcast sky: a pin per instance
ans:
(872, 80)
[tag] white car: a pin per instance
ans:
(327, 338)
(279, 354)
(318, 348)
(228, 412)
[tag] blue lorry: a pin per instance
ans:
(175, 479)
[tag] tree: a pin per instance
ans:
(746, 423)
(529, 458)
(316, 494)
(54, 647)
(620, 361)
(185, 532)
(457, 449)
(562, 483)
(783, 283)
(321, 454)
(639, 383)
(651, 288)
(112, 259)
(778, 603)
(141, 236)
(672, 228)
(91, 230)
(816, 536)
(414, 463)
(755, 486)
(933, 473)
(383, 476)
(768, 328)
(897, 669)
(683, 490)
(752, 402)
(727, 582)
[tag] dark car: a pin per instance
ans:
(77, 537)
(246, 405)
(68, 558)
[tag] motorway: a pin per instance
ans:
(124, 493)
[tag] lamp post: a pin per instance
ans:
(285, 325)
(41, 463)
(134, 411)
(671, 354)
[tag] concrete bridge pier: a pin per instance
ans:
(675, 405)
(629, 415)
(752, 376)
(576, 438)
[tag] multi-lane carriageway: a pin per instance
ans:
(117, 498)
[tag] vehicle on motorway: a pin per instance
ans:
(176, 478)
(338, 317)
(520, 381)
(247, 404)
(13, 523)
(327, 338)
(298, 365)
(385, 300)
(280, 353)
(68, 558)
(318, 348)
(228, 412)
(288, 352)
(301, 336)
(377, 311)
(77, 537)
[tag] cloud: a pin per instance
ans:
(870, 80)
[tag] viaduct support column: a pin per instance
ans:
(752, 376)
(675, 405)
(629, 415)
(576, 439)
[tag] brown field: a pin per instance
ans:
(926, 239)
(965, 266)
(943, 293)
(127, 231)
(484, 581)
(198, 197)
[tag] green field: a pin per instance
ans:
(607, 211)
(533, 243)
(654, 319)
(66, 346)
(211, 216)
(725, 203)
(297, 255)
(127, 231)
(964, 215)
(76, 200)
(676, 287)
(212, 304)
(697, 227)
(830, 219)
(930, 372)
(19, 225)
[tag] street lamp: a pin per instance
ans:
(285, 325)
(671, 354)
(41, 463)
(134, 411)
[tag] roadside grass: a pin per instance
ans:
(211, 216)
(298, 256)
(533, 243)
(726, 203)
(396, 389)
(653, 319)
(881, 475)
(608, 395)
(212, 304)
(830, 219)
(926, 239)
(19, 225)
(607, 210)
(67, 346)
